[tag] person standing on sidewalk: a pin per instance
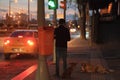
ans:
(62, 36)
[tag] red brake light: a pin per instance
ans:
(7, 42)
(30, 42)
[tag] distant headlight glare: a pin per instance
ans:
(73, 30)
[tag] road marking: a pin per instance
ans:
(28, 71)
(25, 73)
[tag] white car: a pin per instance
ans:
(21, 42)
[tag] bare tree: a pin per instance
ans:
(82, 11)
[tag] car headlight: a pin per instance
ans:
(73, 30)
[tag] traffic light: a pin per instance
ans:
(63, 4)
(53, 4)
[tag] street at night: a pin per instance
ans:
(79, 51)
(35, 34)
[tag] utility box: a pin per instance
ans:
(46, 40)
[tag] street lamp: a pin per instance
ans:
(10, 1)
(9, 8)
(29, 10)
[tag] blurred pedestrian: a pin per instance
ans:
(62, 36)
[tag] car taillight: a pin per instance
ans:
(7, 42)
(30, 42)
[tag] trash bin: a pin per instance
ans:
(46, 40)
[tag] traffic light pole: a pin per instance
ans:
(42, 72)
(55, 17)
(65, 11)
(55, 25)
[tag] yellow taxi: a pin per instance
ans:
(21, 42)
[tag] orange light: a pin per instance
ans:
(30, 42)
(7, 42)
(109, 7)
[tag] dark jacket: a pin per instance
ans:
(62, 35)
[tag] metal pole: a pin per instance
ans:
(55, 25)
(28, 11)
(9, 8)
(65, 11)
(55, 18)
(42, 70)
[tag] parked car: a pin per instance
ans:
(21, 42)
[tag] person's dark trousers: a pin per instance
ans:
(61, 53)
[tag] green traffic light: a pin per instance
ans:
(53, 4)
